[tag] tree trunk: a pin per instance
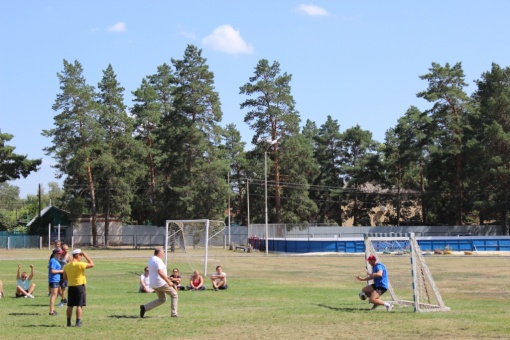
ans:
(93, 225)
(423, 200)
(277, 191)
(107, 216)
(460, 195)
(151, 170)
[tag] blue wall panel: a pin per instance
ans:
(357, 245)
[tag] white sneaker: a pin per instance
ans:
(30, 296)
(389, 307)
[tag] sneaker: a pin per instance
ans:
(175, 316)
(389, 308)
(142, 311)
(54, 313)
(61, 304)
(79, 323)
(31, 296)
(64, 301)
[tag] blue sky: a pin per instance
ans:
(358, 61)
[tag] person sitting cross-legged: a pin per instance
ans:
(175, 277)
(23, 286)
(2, 294)
(196, 282)
(219, 279)
(145, 284)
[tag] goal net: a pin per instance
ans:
(410, 280)
(194, 237)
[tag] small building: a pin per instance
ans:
(50, 217)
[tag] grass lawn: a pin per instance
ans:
(279, 296)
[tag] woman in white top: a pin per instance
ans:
(145, 286)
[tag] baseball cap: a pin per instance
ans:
(371, 258)
(76, 251)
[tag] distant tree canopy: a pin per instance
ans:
(14, 166)
(166, 156)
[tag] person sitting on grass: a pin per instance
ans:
(23, 286)
(196, 282)
(145, 286)
(2, 294)
(175, 277)
(219, 279)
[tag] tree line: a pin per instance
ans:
(166, 155)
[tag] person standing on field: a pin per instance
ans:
(74, 274)
(65, 257)
(55, 272)
(161, 284)
(380, 285)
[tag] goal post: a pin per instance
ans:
(185, 235)
(410, 280)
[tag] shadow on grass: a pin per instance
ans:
(124, 316)
(344, 309)
(46, 326)
(22, 314)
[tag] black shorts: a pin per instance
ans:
(63, 284)
(53, 285)
(76, 296)
(380, 290)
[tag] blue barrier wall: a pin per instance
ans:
(356, 245)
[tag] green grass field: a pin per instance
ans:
(273, 297)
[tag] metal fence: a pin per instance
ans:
(285, 231)
(145, 237)
(21, 241)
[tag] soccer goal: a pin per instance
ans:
(194, 237)
(411, 283)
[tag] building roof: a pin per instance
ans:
(58, 216)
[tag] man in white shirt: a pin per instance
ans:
(161, 284)
(219, 279)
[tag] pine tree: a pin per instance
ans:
(271, 115)
(14, 166)
(76, 140)
(489, 147)
(330, 180)
(449, 123)
(118, 152)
